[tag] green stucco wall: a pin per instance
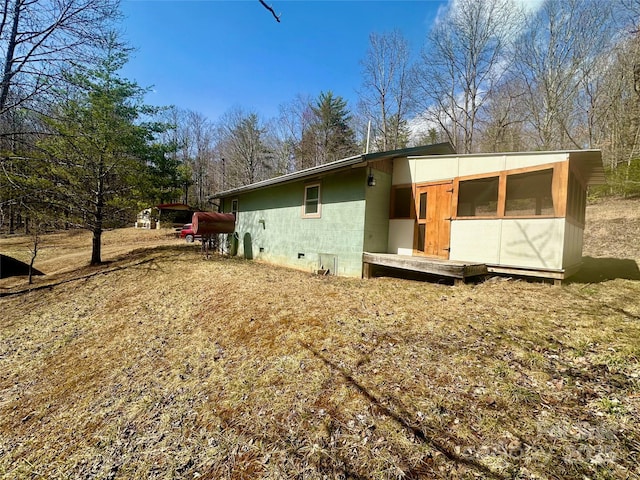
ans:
(270, 226)
(376, 225)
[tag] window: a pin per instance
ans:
(311, 207)
(478, 198)
(423, 206)
(422, 219)
(524, 192)
(529, 194)
(422, 232)
(401, 202)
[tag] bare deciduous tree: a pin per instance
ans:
(281, 145)
(465, 56)
(40, 39)
(200, 153)
(241, 141)
(385, 93)
(555, 59)
(294, 121)
(502, 121)
(614, 126)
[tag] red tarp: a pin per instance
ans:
(207, 223)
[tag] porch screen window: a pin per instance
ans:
(401, 202)
(478, 198)
(529, 194)
(311, 201)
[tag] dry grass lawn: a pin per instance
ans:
(161, 364)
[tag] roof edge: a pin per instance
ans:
(290, 177)
(434, 149)
(528, 152)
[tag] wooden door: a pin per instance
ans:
(433, 220)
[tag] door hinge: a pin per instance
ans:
(448, 249)
(450, 191)
(449, 219)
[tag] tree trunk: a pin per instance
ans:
(34, 253)
(7, 74)
(96, 247)
(12, 220)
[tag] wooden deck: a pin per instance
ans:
(459, 271)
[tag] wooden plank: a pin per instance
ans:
(502, 195)
(525, 272)
(455, 269)
(366, 270)
(560, 187)
(443, 268)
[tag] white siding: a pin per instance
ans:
(533, 243)
(401, 237)
(526, 243)
(401, 171)
(477, 165)
(433, 169)
(522, 160)
(476, 240)
(444, 167)
(573, 241)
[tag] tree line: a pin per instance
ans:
(79, 147)
(490, 77)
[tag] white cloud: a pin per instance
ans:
(530, 6)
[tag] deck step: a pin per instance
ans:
(433, 266)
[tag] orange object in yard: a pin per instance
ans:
(208, 223)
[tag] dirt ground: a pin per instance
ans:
(163, 364)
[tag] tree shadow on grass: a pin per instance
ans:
(135, 258)
(401, 417)
(596, 270)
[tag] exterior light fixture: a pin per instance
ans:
(371, 180)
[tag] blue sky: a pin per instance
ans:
(210, 56)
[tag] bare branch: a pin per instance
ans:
(270, 8)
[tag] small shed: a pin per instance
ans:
(165, 215)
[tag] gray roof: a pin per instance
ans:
(364, 159)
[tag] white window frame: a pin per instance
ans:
(305, 202)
